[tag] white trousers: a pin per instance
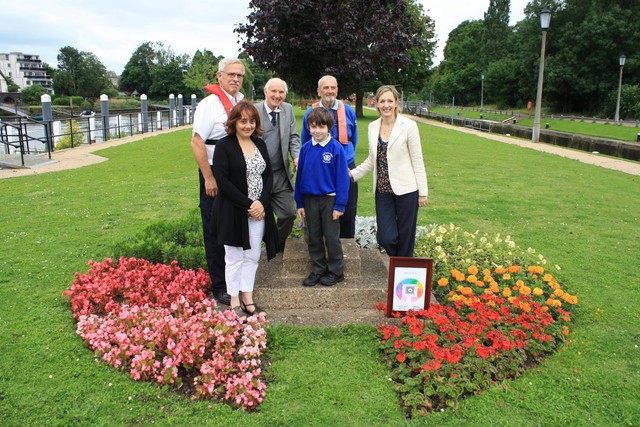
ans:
(241, 265)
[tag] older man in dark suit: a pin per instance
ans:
(281, 136)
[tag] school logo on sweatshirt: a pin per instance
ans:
(326, 157)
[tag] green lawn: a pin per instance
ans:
(584, 218)
(586, 127)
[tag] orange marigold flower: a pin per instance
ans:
(565, 331)
(457, 274)
(472, 279)
(554, 285)
(525, 290)
(486, 272)
(480, 284)
(494, 288)
(519, 283)
(506, 292)
(443, 282)
(514, 269)
(473, 270)
(547, 277)
(488, 291)
(506, 276)
(558, 292)
(487, 278)
(500, 270)
(537, 292)
(465, 290)
(536, 269)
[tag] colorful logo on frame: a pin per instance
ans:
(409, 290)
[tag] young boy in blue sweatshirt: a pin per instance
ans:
(321, 193)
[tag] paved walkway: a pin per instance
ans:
(83, 155)
(73, 158)
(622, 165)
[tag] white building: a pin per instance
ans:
(25, 70)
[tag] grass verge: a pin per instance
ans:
(581, 217)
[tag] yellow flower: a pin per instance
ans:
(558, 292)
(486, 272)
(525, 290)
(537, 292)
(472, 279)
(487, 278)
(519, 283)
(506, 276)
(506, 292)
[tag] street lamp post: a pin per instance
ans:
(622, 61)
(545, 20)
(481, 91)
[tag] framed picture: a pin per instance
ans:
(409, 284)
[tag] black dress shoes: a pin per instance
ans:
(222, 297)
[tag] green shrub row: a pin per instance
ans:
(165, 241)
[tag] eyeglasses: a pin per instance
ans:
(233, 75)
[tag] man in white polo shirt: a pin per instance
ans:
(208, 127)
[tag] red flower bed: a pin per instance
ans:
(486, 332)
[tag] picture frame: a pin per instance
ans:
(409, 284)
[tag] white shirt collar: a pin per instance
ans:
(321, 143)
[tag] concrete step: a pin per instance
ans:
(324, 317)
(279, 291)
(297, 263)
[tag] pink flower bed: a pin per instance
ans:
(155, 322)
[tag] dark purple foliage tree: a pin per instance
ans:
(357, 41)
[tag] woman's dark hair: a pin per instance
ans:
(320, 116)
(246, 108)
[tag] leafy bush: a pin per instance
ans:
(67, 100)
(73, 138)
(164, 242)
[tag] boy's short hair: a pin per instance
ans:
(319, 117)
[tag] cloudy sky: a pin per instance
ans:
(113, 31)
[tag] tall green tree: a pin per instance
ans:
(201, 72)
(585, 40)
(168, 72)
(79, 73)
(354, 40)
(137, 73)
(460, 71)
(497, 31)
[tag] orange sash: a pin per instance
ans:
(343, 134)
(217, 90)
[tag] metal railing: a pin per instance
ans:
(27, 136)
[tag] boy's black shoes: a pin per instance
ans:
(331, 279)
(312, 280)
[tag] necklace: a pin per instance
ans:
(385, 130)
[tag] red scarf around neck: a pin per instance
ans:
(222, 95)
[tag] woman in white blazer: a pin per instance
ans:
(400, 179)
